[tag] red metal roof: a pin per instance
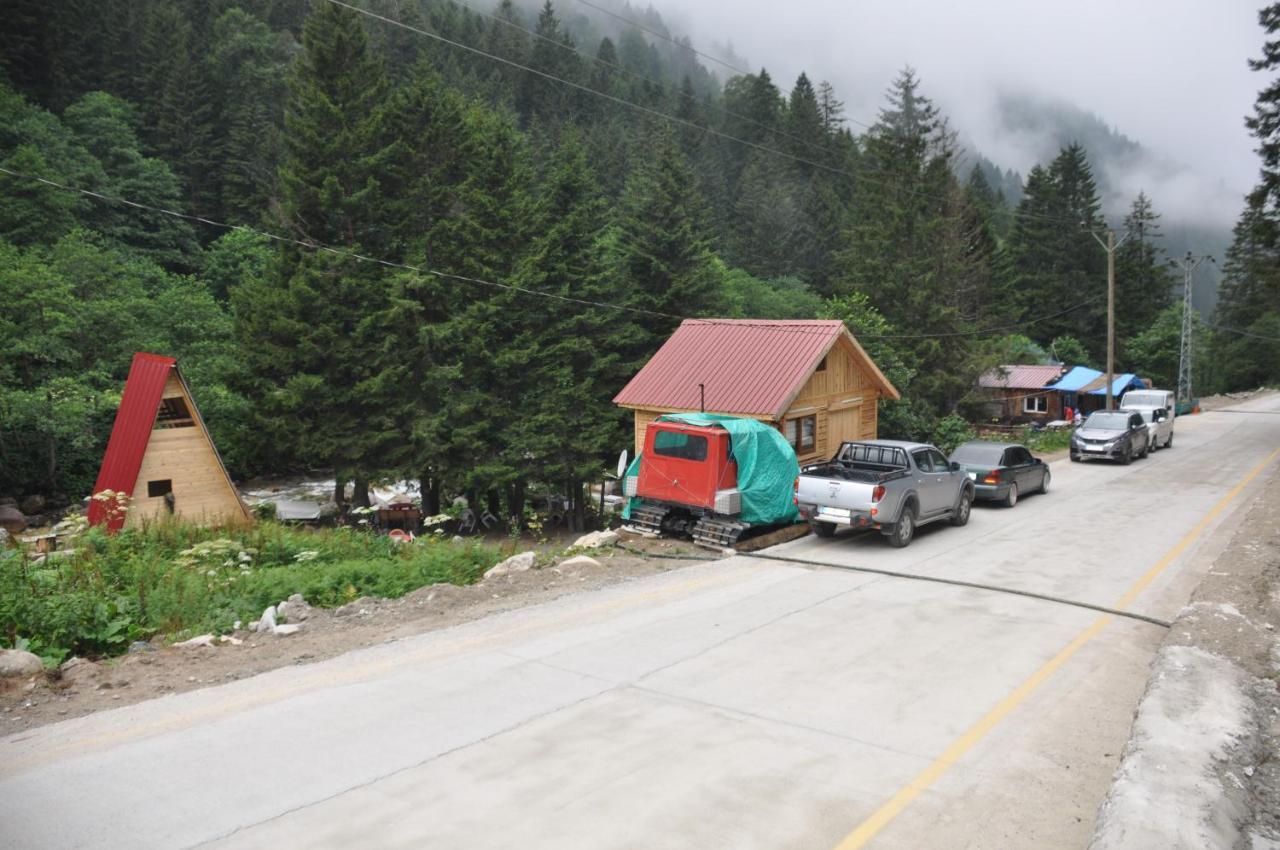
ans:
(1020, 377)
(130, 433)
(747, 366)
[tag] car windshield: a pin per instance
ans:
(1110, 419)
(979, 453)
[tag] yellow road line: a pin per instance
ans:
(921, 782)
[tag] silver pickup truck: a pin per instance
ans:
(887, 485)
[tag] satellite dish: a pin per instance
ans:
(622, 463)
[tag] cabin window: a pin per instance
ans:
(1035, 404)
(802, 433)
(174, 413)
(680, 445)
(156, 489)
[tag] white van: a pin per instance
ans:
(1157, 408)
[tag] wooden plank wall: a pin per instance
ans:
(186, 457)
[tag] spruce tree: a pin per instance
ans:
(565, 424)
(307, 335)
(1144, 284)
(659, 247)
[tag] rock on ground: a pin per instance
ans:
(12, 520)
(265, 623)
(363, 605)
(596, 539)
(514, 564)
(294, 609)
(579, 561)
(18, 663)
(1168, 791)
(197, 641)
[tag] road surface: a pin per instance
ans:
(737, 704)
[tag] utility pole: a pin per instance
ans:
(1110, 247)
(1189, 265)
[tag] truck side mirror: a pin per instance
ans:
(955, 466)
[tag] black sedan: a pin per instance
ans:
(1111, 435)
(1002, 471)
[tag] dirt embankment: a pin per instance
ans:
(1202, 766)
(84, 687)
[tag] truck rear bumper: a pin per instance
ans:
(838, 516)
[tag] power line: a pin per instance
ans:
(341, 252)
(666, 37)
(1242, 333)
(364, 258)
(675, 119)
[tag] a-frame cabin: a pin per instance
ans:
(161, 456)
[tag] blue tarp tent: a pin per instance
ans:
(1121, 385)
(1077, 379)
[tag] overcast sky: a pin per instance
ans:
(1171, 75)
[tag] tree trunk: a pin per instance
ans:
(495, 502)
(339, 490)
(515, 503)
(430, 487)
(360, 492)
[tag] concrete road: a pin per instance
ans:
(737, 704)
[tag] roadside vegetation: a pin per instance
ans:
(178, 580)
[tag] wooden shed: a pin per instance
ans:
(810, 379)
(161, 456)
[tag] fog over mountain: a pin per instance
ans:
(1018, 80)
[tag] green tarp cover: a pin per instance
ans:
(767, 467)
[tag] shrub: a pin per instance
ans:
(171, 579)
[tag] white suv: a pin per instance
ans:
(1157, 409)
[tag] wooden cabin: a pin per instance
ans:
(161, 456)
(1019, 394)
(810, 379)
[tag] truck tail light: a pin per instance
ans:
(878, 493)
(993, 477)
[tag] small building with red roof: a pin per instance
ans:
(1020, 393)
(808, 378)
(160, 460)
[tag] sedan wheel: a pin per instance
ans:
(1011, 499)
(1168, 444)
(1127, 458)
(1044, 482)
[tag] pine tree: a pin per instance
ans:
(307, 335)
(806, 133)
(1265, 121)
(659, 247)
(247, 66)
(905, 244)
(573, 363)
(1056, 261)
(1144, 285)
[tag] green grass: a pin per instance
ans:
(177, 580)
(1046, 441)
